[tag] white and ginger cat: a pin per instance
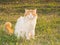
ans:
(25, 26)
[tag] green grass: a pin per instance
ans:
(47, 27)
(47, 31)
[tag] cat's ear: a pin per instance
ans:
(26, 10)
(35, 10)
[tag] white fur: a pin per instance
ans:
(25, 26)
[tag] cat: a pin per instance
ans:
(25, 25)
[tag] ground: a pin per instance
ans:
(47, 27)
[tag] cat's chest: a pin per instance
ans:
(29, 22)
(26, 22)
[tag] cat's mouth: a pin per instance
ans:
(31, 16)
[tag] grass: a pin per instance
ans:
(47, 31)
(47, 28)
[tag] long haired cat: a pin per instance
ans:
(25, 26)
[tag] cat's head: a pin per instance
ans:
(30, 13)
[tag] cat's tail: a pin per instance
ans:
(8, 28)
